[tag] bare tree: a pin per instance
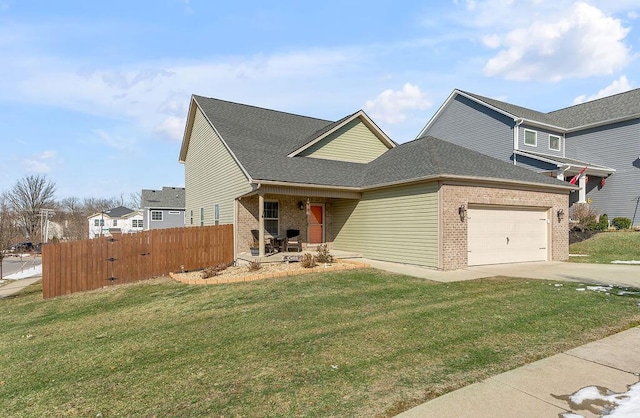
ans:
(71, 214)
(135, 200)
(28, 197)
(8, 231)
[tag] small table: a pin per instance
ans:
(277, 243)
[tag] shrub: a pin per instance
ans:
(307, 260)
(254, 266)
(621, 223)
(603, 223)
(213, 271)
(584, 217)
(323, 255)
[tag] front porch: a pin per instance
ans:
(272, 217)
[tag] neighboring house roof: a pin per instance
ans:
(118, 212)
(167, 198)
(611, 109)
(262, 141)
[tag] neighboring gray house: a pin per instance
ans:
(163, 208)
(347, 184)
(602, 135)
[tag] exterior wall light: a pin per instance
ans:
(560, 214)
(462, 211)
(301, 205)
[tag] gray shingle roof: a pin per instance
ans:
(261, 139)
(618, 106)
(168, 197)
(563, 160)
(431, 157)
(118, 212)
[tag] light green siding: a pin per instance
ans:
(397, 224)
(352, 142)
(212, 176)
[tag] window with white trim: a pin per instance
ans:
(555, 142)
(271, 216)
(530, 138)
(98, 222)
(115, 222)
(156, 215)
(216, 214)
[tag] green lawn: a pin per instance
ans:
(606, 247)
(358, 343)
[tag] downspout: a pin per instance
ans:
(516, 138)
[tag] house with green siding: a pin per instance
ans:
(345, 183)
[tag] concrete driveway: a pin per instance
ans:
(608, 274)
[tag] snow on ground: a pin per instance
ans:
(625, 262)
(613, 405)
(26, 273)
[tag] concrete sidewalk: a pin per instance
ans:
(14, 286)
(541, 389)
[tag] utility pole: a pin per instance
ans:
(44, 223)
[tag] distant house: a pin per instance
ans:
(598, 141)
(120, 220)
(163, 208)
(345, 183)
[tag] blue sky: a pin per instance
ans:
(95, 94)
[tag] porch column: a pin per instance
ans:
(582, 194)
(261, 225)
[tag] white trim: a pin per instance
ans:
(151, 212)
(271, 219)
(324, 222)
(364, 118)
(524, 137)
(559, 142)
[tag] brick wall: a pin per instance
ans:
(290, 217)
(454, 231)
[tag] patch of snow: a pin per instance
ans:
(605, 289)
(625, 262)
(624, 405)
(24, 274)
(578, 255)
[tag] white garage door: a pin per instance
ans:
(499, 235)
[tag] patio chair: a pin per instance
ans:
(293, 240)
(268, 243)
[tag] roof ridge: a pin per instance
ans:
(261, 108)
(593, 101)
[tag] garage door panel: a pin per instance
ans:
(506, 235)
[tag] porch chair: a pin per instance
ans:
(293, 240)
(268, 243)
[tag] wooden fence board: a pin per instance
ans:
(76, 266)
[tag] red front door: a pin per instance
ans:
(316, 224)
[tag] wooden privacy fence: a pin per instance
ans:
(76, 266)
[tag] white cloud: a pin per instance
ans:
(618, 86)
(580, 42)
(115, 141)
(392, 106)
(171, 128)
(40, 163)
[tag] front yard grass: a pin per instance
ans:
(606, 247)
(357, 343)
